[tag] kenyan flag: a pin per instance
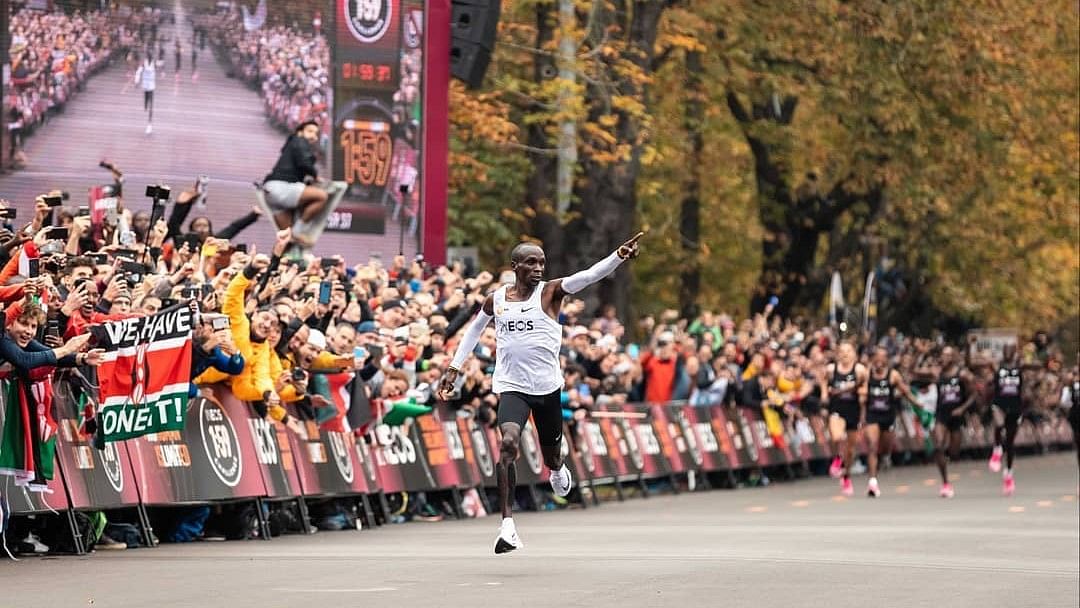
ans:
(145, 375)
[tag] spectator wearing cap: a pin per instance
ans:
(392, 314)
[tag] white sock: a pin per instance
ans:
(1007, 474)
(508, 522)
(873, 480)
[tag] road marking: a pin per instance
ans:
(492, 584)
(1045, 503)
(839, 498)
(757, 509)
(976, 473)
(1016, 509)
(801, 503)
(1068, 498)
(903, 489)
(929, 482)
(313, 590)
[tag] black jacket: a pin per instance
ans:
(296, 162)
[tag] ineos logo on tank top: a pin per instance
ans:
(527, 345)
(881, 392)
(950, 390)
(1008, 382)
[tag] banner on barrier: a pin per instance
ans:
(212, 458)
(95, 478)
(144, 373)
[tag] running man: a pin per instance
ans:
(847, 411)
(1007, 408)
(528, 378)
(885, 387)
(146, 77)
(956, 395)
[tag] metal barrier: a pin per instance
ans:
(226, 452)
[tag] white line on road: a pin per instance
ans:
(313, 590)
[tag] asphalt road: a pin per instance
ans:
(790, 544)
(204, 124)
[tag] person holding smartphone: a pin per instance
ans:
(528, 378)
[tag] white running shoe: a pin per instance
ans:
(872, 488)
(149, 129)
(508, 539)
(561, 481)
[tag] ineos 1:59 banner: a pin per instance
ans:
(378, 74)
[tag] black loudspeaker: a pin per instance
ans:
(468, 62)
(477, 24)
(473, 28)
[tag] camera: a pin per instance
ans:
(83, 211)
(53, 200)
(298, 374)
(158, 192)
(9, 213)
(219, 323)
(57, 233)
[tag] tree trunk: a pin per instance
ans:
(607, 198)
(540, 190)
(690, 210)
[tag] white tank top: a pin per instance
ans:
(527, 346)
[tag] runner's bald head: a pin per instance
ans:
(523, 251)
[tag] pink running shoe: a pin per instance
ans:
(837, 467)
(995, 460)
(846, 488)
(1008, 486)
(947, 490)
(872, 489)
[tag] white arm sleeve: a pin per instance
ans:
(471, 337)
(580, 280)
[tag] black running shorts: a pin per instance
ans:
(884, 420)
(1012, 411)
(953, 423)
(546, 412)
(849, 411)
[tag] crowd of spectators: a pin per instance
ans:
(289, 67)
(52, 55)
(279, 329)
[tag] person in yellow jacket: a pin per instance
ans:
(255, 384)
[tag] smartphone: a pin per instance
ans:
(328, 263)
(53, 201)
(376, 352)
(360, 353)
(52, 327)
(325, 289)
(99, 258)
(773, 301)
(633, 351)
(57, 233)
(32, 268)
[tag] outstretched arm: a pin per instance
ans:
(466, 346)
(598, 271)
